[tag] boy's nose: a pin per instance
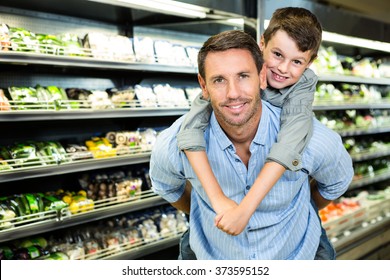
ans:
(283, 66)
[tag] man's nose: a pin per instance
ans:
(233, 90)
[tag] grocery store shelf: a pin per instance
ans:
(363, 131)
(62, 219)
(327, 105)
(353, 79)
(146, 249)
(370, 155)
(361, 241)
(38, 115)
(368, 180)
(73, 166)
(26, 58)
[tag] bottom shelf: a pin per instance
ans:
(360, 242)
(147, 249)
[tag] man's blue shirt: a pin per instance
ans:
(284, 225)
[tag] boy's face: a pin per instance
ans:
(233, 85)
(285, 62)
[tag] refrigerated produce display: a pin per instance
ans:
(352, 98)
(85, 91)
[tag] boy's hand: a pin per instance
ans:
(233, 221)
(222, 204)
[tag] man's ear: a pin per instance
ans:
(263, 77)
(202, 84)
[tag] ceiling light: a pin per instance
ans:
(353, 41)
(168, 7)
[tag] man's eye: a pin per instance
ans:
(219, 80)
(243, 76)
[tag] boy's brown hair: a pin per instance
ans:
(300, 24)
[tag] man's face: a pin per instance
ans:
(233, 85)
(285, 62)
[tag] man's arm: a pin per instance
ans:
(332, 165)
(316, 196)
(184, 202)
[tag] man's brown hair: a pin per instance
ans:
(231, 39)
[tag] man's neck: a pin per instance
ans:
(243, 136)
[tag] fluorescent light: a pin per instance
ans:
(353, 41)
(168, 7)
(266, 23)
(236, 21)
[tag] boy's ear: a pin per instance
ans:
(202, 84)
(263, 77)
(262, 43)
(311, 61)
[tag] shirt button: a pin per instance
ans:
(237, 160)
(248, 187)
(295, 162)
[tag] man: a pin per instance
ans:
(241, 132)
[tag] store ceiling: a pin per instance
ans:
(373, 9)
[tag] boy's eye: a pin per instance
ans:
(277, 54)
(298, 62)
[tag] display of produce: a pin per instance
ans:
(98, 45)
(57, 98)
(327, 93)
(118, 184)
(164, 51)
(122, 97)
(109, 46)
(95, 191)
(32, 154)
(102, 239)
(329, 62)
(365, 146)
(347, 214)
(354, 119)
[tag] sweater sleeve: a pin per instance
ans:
(191, 134)
(296, 123)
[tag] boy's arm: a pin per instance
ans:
(296, 126)
(190, 139)
(191, 134)
(202, 168)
